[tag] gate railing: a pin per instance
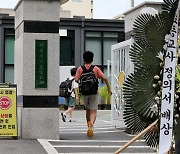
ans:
(120, 64)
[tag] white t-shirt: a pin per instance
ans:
(74, 85)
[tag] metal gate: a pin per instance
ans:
(121, 67)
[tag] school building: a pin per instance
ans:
(77, 35)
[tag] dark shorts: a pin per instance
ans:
(70, 101)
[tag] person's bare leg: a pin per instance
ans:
(70, 114)
(88, 115)
(93, 114)
(69, 111)
(91, 121)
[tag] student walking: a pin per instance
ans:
(70, 101)
(87, 77)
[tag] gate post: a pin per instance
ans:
(36, 66)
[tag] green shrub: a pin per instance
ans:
(105, 97)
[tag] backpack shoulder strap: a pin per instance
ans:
(72, 80)
(91, 68)
(83, 68)
(72, 89)
(67, 79)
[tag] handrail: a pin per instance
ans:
(136, 137)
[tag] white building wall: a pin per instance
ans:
(134, 12)
(7, 11)
(64, 72)
(79, 8)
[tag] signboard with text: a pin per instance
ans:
(8, 111)
(41, 64)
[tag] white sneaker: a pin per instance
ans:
(63, 117)
(72, 120)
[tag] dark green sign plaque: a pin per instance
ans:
(40, 63)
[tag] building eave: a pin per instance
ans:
(61, 2)
(142, 4)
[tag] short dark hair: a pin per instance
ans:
(73, 71)
(88, 57)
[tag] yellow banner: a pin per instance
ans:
(8, 115)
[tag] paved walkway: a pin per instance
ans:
(106, 140)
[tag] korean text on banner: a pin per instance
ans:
(167, 107)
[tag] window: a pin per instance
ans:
(111, 34)
(9, 56)
(9, 50)
(91, 10)
(107, 49)
(9, 74)
(100, 44)
(95, 47)
(67, 49)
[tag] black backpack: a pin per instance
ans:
(88, 83)
(65, 88)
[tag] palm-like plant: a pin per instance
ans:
(142, 88)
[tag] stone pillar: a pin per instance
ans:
(36, 67)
